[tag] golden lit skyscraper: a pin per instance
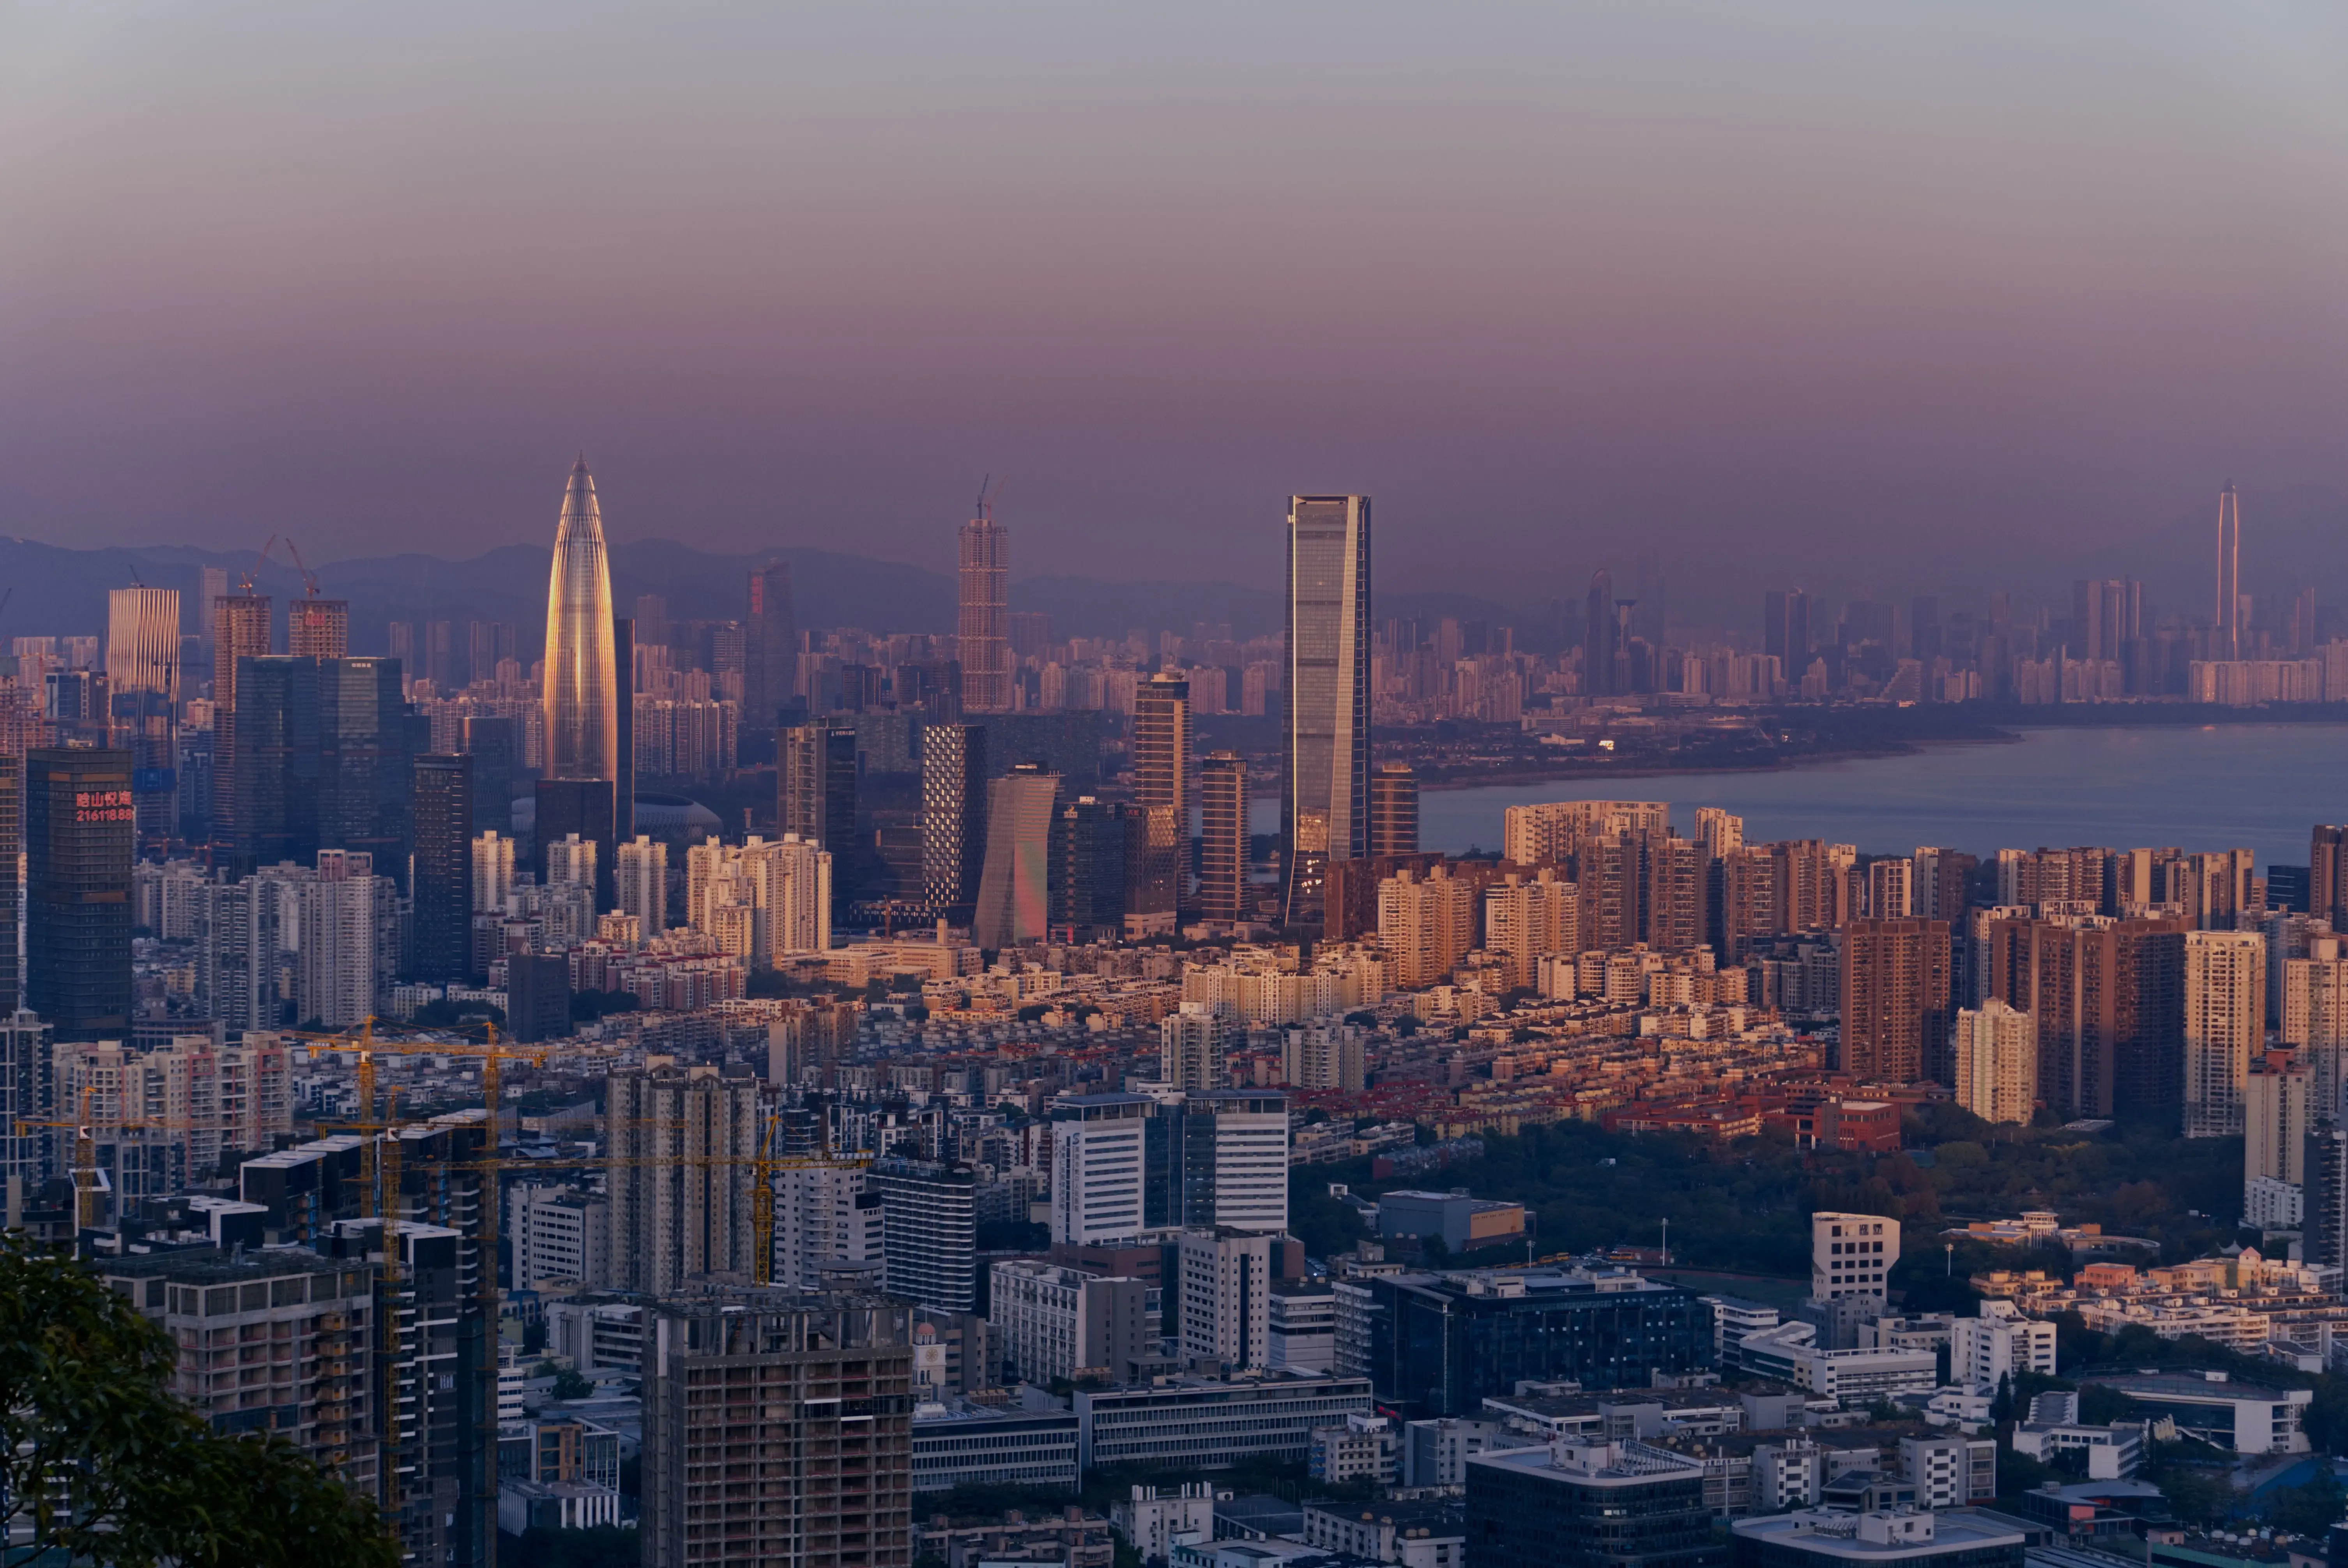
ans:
(582, 697)
(985, 622)
(2228, 642)
(142, 641)
(1223, 836)
(1325, 806)
(1161, 788)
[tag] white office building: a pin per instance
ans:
(559, 1232)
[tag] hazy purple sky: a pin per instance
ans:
(1861, 288)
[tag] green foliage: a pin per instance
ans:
(570, 1385)
(2196, 1478)
(1323, 1224)
(586, 1007)
(2309, 1510)
(98, 1461)
(606, 1546)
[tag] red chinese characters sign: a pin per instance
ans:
(103, 805)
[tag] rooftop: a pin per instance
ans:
(206, 1266)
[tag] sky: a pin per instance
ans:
(1872, 297)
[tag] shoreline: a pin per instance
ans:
(2007, 733)
(1504, 777)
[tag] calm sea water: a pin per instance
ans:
(2220, 787)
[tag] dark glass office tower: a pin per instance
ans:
(624, 790)
(1088, 893)
(582, 807)
(495, 746)
(1324, 807)
(80, 825)
(815, 797)
(321, 761)
(771, 647)
(442, 810)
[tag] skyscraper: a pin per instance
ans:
(142, 641)
(319, 629)
(641, 882)
(1223, 838)
(1325, 755)
(582, 682)
(2227, 642)
(1090, 896)
(682, 1140)
(12, 843)
(829, 1481)
(321, 761)
(771, 647)
(442, 814)
(815, 782)
(240, 630)
(985, 622)
(1598, 636)
(623, 704)
(1786, 630)
(78, 829)
(1394, 810)
(494, 743)
(1191, 1042)
(1895, 1001)
(953, 817)
(1161, 789)
(2225, 1026)
(1013, 904)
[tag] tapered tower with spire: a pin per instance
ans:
(582, 688)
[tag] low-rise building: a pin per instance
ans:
(1999, 1343)
(975, 1445)
(1360, 1447)
(1152, 1517)
(1434, 1452)
(1049, 1323)
(1836, 1538)
(1207, 1422)
(1430, 1534)
(2211, 1406)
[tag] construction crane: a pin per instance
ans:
(309, 577)
(85, 1163)
(259, 562)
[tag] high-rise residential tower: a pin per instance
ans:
(582, 682)
(1394, 810)
(1895, 1001)
(986, 620)
(1325, 771)
(2227, 626)
(2225, 1026)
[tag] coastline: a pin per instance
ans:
(1565, 774)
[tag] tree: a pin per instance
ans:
(99, 1462)
(2001, 1406)
(570, 1385)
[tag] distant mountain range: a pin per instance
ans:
(59, 592)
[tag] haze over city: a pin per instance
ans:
(1988, 294)
(1053, 785)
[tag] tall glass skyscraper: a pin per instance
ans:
(583, 683)
(1324, 811)
(984, 623)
